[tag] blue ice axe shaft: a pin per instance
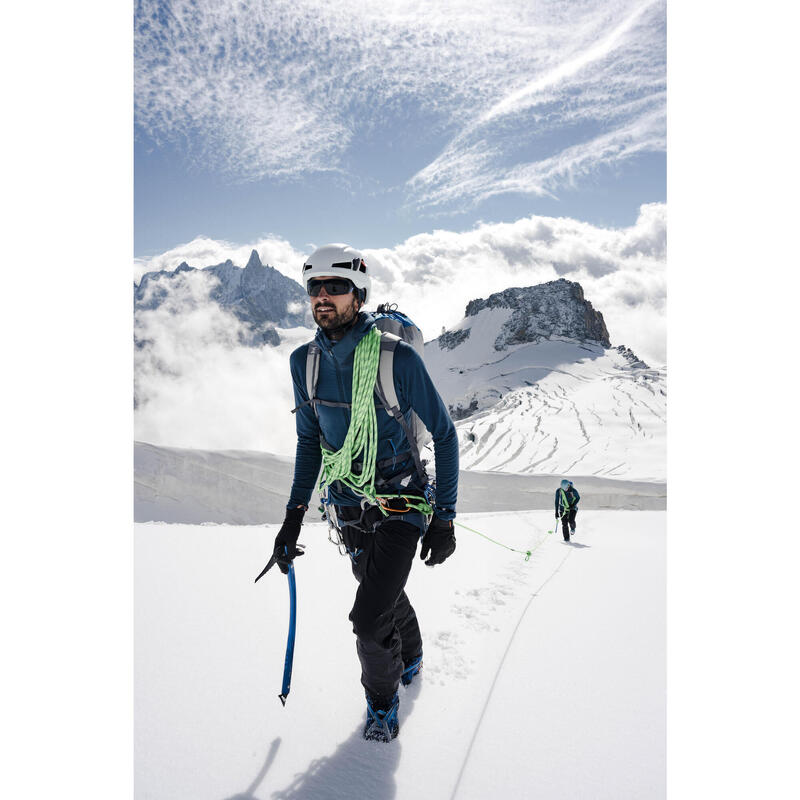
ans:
(287, 666)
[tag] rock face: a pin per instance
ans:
(556, 308)
(450, 339)
(258, 295)
(632, 358)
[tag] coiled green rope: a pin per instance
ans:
(362, 435)
(361, 441)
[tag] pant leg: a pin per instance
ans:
(565, 526)
(572, 514)
(406, 620)
(382, 569)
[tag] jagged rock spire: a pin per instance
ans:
(254, 261)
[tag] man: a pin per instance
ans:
(380, 514)
(567, 498)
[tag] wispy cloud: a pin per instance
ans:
(289, 87)
(521, 98)
(603, 104)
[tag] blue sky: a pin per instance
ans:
(340, 120)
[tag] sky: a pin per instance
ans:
(344, 121)
(463, 146)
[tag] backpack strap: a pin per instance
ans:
(387, 394)
(312, 378)
(312, 373)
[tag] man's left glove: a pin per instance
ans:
(286, 547)
(439, 540)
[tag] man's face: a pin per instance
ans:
(333, 311)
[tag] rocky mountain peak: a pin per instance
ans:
(254, 260)
(555, 308)
(258, 295)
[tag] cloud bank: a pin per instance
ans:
(527, 96)
(622, 272)
(205, 252)
(196, 386)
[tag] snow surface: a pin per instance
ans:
(541, 679)
(173, 484)
(556, 406)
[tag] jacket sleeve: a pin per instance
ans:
(557, 501)
(308, 456)
(577, 496)
(415, 389)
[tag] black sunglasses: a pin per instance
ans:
(333, 286)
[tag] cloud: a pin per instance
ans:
(291, 87)
(623, 273)
(205, 252)
(606, 101)
(197, 386)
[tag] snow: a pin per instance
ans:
(244, 487)
(543, 678)
(557, 406)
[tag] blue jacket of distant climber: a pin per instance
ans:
(566, 500)
(415, 390)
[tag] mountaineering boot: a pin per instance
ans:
(381, 724)
(411, 669)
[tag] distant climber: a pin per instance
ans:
(567, 499)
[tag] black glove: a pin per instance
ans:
(286, 547)
(439, 540)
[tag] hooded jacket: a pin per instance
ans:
(415, 390)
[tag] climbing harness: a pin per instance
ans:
(354, 464)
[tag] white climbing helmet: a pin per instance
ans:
(340, 260)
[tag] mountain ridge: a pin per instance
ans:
(257, 294)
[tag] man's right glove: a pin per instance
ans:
(286, 547)
(439, 540)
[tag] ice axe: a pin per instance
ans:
(289, 660)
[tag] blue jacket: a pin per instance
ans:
(415, 390)
(572, 500)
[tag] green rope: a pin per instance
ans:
(526, 553)
(362, 435)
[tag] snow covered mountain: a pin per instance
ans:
(534, 385)
(259, 296)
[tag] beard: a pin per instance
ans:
(335, 323)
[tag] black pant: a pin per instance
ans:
(384, 622)
(568, 522)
